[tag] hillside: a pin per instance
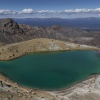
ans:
(11, 32)
(14, 50)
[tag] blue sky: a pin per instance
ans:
(29, 6)
(48, 4)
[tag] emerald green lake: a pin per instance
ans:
(55, 70)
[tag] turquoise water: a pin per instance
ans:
(55, 70)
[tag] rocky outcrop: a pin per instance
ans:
(9, 31)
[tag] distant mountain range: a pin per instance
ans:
(91, 23)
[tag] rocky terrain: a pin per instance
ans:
(16, 40)
(11, 32)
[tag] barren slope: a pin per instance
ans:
(11, 32)
(11, 51)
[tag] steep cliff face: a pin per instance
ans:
(9, 31)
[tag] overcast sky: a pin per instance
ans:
(49, 8)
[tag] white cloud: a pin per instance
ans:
(27, 11)
(30, 13)
(98, 9)
(83, 10)
(46, 11)
(7, 12)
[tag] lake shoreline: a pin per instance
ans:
(49, 90)
(13, 51)
(46, 93)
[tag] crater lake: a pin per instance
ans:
(52, 70)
